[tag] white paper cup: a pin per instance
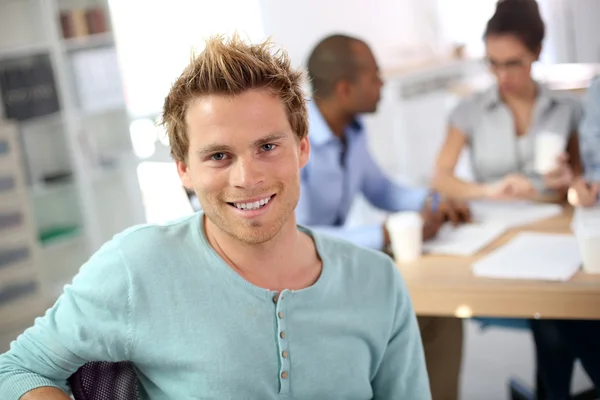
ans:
(586, 226)
(590, 253)
(548, 147)
(406, 235)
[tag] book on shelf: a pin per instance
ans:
(28, 88)
(77, 23)
(96, 20)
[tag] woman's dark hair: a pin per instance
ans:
(520, 18)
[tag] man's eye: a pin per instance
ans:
(218, 157)
(268, 147)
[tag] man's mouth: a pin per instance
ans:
(252, 205)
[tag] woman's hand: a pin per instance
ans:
(513, 186)
(561, 177)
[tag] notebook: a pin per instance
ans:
(463, 240)
(538, 256)
(513, 213)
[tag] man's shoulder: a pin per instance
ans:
(151, 241)
(350, 255)
(156, 231)
(359, 273)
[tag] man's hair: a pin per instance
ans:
(232, 67)
(331, 61)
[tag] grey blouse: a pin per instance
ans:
(489, 126)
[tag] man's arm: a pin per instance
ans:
(402, 373)
(310, 215)
(385, 194)
(89, 322)
(45, 393)
(369, 236)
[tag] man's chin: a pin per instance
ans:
(254, 236)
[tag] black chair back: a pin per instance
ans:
(105, 381)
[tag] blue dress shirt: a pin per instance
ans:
(333, 178)
(589, 132)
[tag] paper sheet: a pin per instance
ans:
(529, 255)
(513, 213)
(463, 240)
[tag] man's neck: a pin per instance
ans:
(276, 264)
(336, 119)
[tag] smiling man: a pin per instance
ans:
(236, 302)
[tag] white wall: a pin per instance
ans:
(395, 29)
(155, 48)
(573, 30)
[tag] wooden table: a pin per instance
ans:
(446, 286)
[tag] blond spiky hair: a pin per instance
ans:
(231, 67)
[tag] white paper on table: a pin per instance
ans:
(539, 256)
(463, 240)
(513, 213)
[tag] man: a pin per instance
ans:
(236, 301)
(346, 83)
(585, 191)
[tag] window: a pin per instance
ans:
(155, 40)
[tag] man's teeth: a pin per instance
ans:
(255, 205)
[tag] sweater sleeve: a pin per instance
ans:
(402, 373)
(89, 322)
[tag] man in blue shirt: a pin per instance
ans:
(346, 83)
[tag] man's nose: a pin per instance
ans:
(246, 173)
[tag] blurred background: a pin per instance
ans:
(82, 84)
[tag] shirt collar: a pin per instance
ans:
(319, 131)
(545, 97)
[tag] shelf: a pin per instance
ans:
(23, 51)
(86, 114)
(62, 242)
(54, 119)
(44, 189)
(89, 42)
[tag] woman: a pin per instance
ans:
(499, 126)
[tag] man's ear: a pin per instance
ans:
(303, 151)
(343, 90)
(184, 174)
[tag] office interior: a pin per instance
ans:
(94, 160)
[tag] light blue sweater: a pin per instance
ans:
(161, 297)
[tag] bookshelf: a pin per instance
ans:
(61, 88)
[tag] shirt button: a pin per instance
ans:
(285, 354)
(275, 298)
(282, 334)
(284, 375)
(280, 314)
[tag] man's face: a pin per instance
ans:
(366, 90)
(244, 163)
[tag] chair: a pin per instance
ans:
(104, 381)
(519, 391)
